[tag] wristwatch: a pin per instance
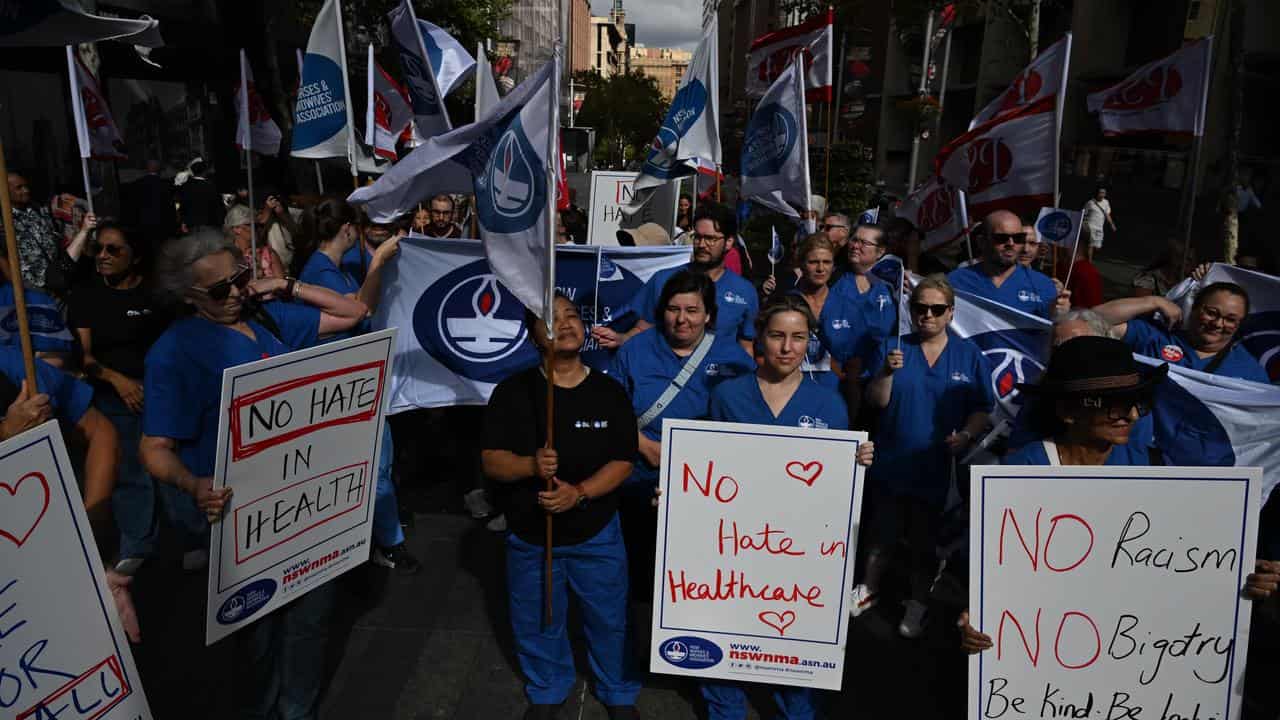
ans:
(583, 499)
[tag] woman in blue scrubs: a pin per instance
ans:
(870, 294)
(331, 229)
(228, 320)
(649, 367)
(777, 393)
(842, 326)
(935, 393)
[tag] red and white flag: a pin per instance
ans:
(1165, 96)
(255, 130)
(1005, 164)
(96, 131)
(771, 54)
(388, 113)
(934, 210)
(1039, 80)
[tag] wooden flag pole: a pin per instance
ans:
(15, 270)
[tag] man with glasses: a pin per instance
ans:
(1002, 278)
(714, 230)
(441, 215)
(836, 226)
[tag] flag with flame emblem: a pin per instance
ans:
(1166, 96)
(96, 131)
(1007, 163)
(1039, 80)
(1016, 345)
(934, 210)
(255, 130)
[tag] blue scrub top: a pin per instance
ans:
(70, 398)
(351, 262)
(842, 333)
(49, 331)
(812, 406)
(925, 406)
(1146, 338)
(183, 382)
(879, 313)
(321, 271)
(645, 367)
(1034, 453)
(736, 303)
(1026, 290)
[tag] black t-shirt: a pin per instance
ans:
(123, 324)
(594, 426)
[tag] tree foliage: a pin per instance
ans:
(625, 110)
(470, 22)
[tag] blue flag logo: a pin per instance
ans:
(770, 139)
(512, 189)
(689, 105)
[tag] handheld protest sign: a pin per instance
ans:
(1111, 592)
(299, 446)
(63, 652)
(757, 533)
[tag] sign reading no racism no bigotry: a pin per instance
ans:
(299, 446)
(757, 532)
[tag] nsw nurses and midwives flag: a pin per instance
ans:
(775, 155)
(321, 117)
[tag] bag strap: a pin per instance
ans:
(1220, 358)
(677, 384)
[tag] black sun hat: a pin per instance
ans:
(1094, 366)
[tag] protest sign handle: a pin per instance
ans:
(88, 187)
(15, 271)
(1071, 266)
(551, 399)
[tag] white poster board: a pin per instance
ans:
(611, 191)
(299, 448)
(62, 651)
(1111, 592)
(757, 532)
(1058, 227)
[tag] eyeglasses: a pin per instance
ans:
(706, 239)
(1118, 408)
(939, 310)
(221, 290)
(1005, 238)
(1213, 315)
(832, 226)
(864, 243)
(111, 250)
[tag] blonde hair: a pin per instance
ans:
(938, 282)
(816, 241)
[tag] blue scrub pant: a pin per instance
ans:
(133, 501)
(386, 509)
(282, 670)
(596, 571)
(728, 701)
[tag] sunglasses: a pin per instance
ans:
(1118, 408)
(221, 290)
(112, 250)
(1005, 238)
(939, 310)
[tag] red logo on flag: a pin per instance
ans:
(1025, 87)
(1171, 353)
(1160, 85)
(381, 110)
(935, 210)
(990, 161)
(773, 66)
(94, 115)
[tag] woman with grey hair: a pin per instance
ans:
(238, 225)
(225, 320)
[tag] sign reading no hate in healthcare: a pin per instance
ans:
(299, 448)
(757, 529)
(1111, 592)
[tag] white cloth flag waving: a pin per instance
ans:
(503, 160)
(96, 131)
(50, 23)
(388, 112)
(771, 54)
(1167, 95)
(775, 149)
(429, 115)
(486, 88)
(1039, 80)
(450, 61)
(934, 210)
(691, 131)
(1007, 163)
(255, 130)
(321, 117)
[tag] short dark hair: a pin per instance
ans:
(687, 282)
(721, 216)
(138, 247)
(198, 167)
(1213, 288)
(443, 196)
(531, 320)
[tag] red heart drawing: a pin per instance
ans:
(783, 620)
(801, 471)
(20, 524)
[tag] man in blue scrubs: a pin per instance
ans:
(714, 228)
(1000, 277)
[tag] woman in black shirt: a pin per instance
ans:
(117, 322)
(595, 441)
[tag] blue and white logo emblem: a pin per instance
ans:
(689, 105)
(770, 139)
(1260, 335)
(512, 187)
(1055, 227)
(246, 601)
(691, 653)
(1010, 367)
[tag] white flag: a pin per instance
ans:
(690, 134)
(775, 149)
(486, 88)
(255, 130)
(96, 131)
(1007, 163)
(1039, 80)
(450, 61)
(429, 115)
(771, 54)
(1167, 95)
(321, 117)
(934, 210)
(50, 23)
(1058, 227)
(388, 112)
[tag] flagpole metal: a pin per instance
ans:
(798, 64)
(924, 80)
(319, 178)
(88, 188)
(553, 176)
(346, 89)
(431, 71)
(15, 271)
(835, 105)
(248, 163)
(1057, 129)
(1197, 145)
(82, 139)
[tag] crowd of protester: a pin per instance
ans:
(161, 306)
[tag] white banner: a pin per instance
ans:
(1111, 592)
(611, 192)
(771, 54)
(1039, 80)
(62, 641)
(757, 533)
(934, 210)
(463, 331)
(1007, 163)
(1164, 96)
(299, 447)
